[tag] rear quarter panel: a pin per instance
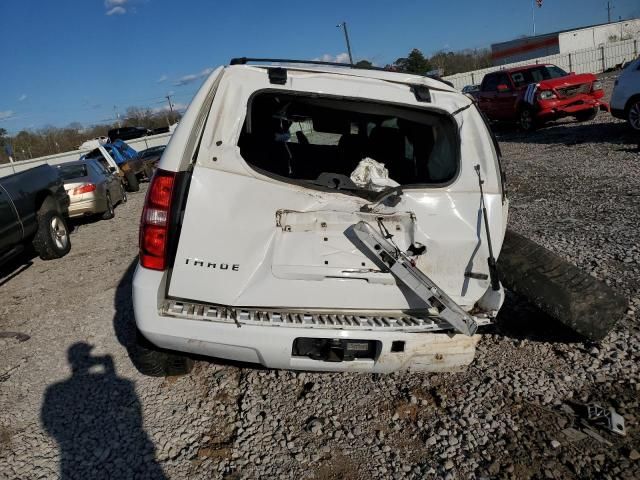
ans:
(29, 188)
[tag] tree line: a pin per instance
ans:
(447, 63)
(49, 140)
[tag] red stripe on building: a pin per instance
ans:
(527, 47)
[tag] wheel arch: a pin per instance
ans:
(631, 100)
(42, 197)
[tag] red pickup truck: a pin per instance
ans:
(534, 94)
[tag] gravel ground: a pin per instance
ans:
(73, 406)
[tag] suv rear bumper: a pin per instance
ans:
(271, 346)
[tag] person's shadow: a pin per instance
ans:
(96, 419)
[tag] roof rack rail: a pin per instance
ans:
(245, 60)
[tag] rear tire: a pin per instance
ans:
(152, 361)
(110, 211)
(148, 172)
(52, 238)
(587, 115)
(132, 182)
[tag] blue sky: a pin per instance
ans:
(75, 60)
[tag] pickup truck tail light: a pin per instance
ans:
(154, 225)
(87, 188)
(546, 95)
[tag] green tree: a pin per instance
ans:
(363, 64)
(415, 62)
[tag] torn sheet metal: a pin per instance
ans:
(609, 417)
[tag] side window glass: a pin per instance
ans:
(518, 79)
(491, 83)
(503, 79)
(537, 75)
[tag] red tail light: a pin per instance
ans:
(154, 226)
(89, 187)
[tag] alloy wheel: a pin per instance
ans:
(526, 120)
(59, 232)
(634, 116)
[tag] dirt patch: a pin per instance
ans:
(337, 468)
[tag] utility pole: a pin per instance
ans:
(343, 25)
(115, 109)
(609, 12)
(533, 14)
(168, 97)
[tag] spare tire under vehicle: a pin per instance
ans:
(558, 288)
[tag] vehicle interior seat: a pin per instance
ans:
(351, 150)
(387, 145)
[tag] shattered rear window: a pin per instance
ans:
(304, 136)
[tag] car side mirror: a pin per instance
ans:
(503, 88)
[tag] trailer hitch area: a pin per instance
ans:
(336, 349)
(401, 266)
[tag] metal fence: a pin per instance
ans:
(138, 143)
(590, 60)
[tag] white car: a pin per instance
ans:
(93, 143)
(625, 99)
(326, 218)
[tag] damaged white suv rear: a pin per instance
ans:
(321, 217)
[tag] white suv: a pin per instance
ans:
(321, 217)
(625, 99)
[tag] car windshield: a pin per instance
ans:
(537, 74)
(68, 172)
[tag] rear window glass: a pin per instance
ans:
(301, 137)
(68, 172)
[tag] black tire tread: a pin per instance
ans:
(152, 361)
(42, 242)
(109, 212)
(560, 289)
(133, 185)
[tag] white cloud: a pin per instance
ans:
(187, 79)
(22, 97)
(116, 11)
(6, 114)
(339, 58)
(162, 79)
(115, 7)
(115, 3)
